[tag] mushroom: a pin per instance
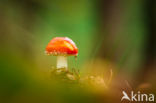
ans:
(62, 47)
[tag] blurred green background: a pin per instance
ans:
(121, 32)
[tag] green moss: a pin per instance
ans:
(64, 75)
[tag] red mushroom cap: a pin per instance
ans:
(61, 46)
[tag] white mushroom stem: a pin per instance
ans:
(62, 62)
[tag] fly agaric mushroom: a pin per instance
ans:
(61, 47)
